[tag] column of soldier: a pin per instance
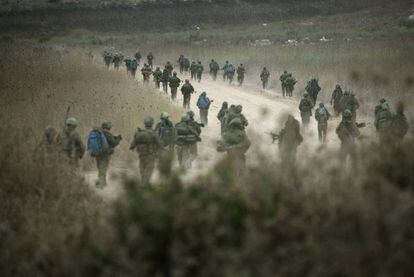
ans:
(181, 139)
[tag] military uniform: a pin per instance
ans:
(313, 89)
(289, 140)
(221, 116)
(214, 70)
(157, 74)
(225, 70)
(347, 132)
(169, 68)
(193, 70)
(147, 145)
(336, 99)
(187, 89)
(181, 62)
(107, 58)
(322, 116)
(235, 112)
(305, 108)
(72, 144)
(102, 161)
(290, 85)
(165, 79)
(186, 141)
(240, 74)
(230, 73)
(383, 119)
(150, 59)
(282, 79)
(146, 73)
(349, 102)
(264, 77)
(199, 71)
(203, 104)
(174, 84)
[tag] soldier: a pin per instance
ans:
(107, 58)
(214, 70)
(383, 118)
(117, 59)
(193, 70)
(264, 76)
(399, 125)
(225, 70)
(347, 132)
(240, 74)
(187, 89)
(336, 99)
(147, 145)
(146, 72)
(313, 89)
(181, 62)
(236, 112)
(102, 160)
(186, 64)
(186, 141)
(210, 65)
(170, 68)
(138, 56)
(51, 140)
(203, 103)
(282, 79)
(289, 140)
(322, 116)
(349, 102)
(134, 67)
(305, 108)
(290, 84)
(195, 127)
(72, 144)
(236, 143)
(221, 116)
(174, 84)
(230, 73)
(165, 79)
(157, 75)
(199, 71)
(128, 65)
(165, 131)
(150, 59)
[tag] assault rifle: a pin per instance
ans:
(361, 125)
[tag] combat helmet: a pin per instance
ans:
(106, 125)
(71, 121)
(148, 121)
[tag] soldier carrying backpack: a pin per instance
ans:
(322, 116)
(72, 144)
(101, 144)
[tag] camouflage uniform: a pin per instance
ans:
(150, 59)
(193, 70)
(128, 65)
(399, 125)
(199, 71)
(336, 99)
(138, 56)
(305, 108)
(117, 59)
(383, 118)
(72, 144)
(347, 131)
(225, 70)
(146, 73)
(174, 84)
(214, 70)
(264, 77)
(235, 143)
(290, 84)
(203, 104)
(165, 79)
(186, 140)
(186, 64)
(289, 140)
(187, 89)
(181, 62)
(349, 102)
(147, 145)
(322, 116)
(169, 68)
(165, 131)
(282, 79)
(102, 161)
(240, 74)
(221, 116)
(107, 58)
(157, 74)
(313, 89)
(235, 112)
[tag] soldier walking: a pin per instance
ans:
(203, 103)
(165, 79)
(174, 84)
(193, 70)
(289, 140)
(383, 119)
(282, 79)
(199, 71)
(157, 75)
(305, 108)
(336, 99)
(187, 89)
(150, 59)
(186, 141)
(147, 144)
(240, 74)
(322, 116)
(264, 77)
(225, 70)
(347, 132)
(72, 144)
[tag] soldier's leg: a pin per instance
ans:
(103, 164)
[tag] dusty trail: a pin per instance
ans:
(265, 111)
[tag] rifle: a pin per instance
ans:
(274, 136)
(66, 118)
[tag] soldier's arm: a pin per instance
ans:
(80, 151)
(113, 141)
(133, 143)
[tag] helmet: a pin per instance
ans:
(185, 117)
(238, 108)
(383, 100)
(164, 115)
(204, 93)
(190, 113)
(225, 104)
(106, 125)
(175, 73)
(338, 86)
(187, 81)
(285, 71)
(148, 121)
(347, 113)
(321, 105)
(71, 121)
